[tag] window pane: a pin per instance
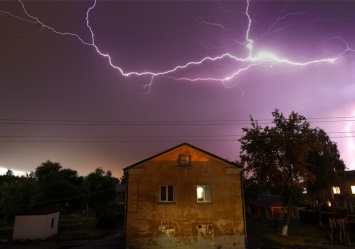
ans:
(170, 193)
(163, 193)
(353, 189)
(208, 193)
(336, 190)
(184, 160)
(200, 193)
(203, 193)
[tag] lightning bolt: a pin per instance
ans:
(252, 58)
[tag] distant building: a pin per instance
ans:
(344, 195)
(270, 210)
(120, 190)
(184, 197)
(340, 196)
(37, 224)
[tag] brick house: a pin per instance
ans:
(184, 197)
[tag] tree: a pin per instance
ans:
(101, 188)
(57, 185)
(327, 168)
(275, 157)
(15, 196)
(8, 177)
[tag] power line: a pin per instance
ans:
(145, 138)
(134, 141)
(69, 122)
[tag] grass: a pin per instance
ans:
(78, 226)
(5, 231)
(305, 235)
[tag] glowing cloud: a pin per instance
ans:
(253, 58)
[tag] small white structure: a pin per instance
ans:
(40, 223)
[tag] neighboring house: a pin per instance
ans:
(270, 210)
(37, 224)
(340, 197)
(184, 197)
(120, 190)
(344, 195)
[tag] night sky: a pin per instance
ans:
(143, 76)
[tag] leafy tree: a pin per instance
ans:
(327, 168)
(123, 179)
(100, 186)
(57, 185)
(8, 177)
(275, 157)
(15, 196)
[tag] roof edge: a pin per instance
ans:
(177, 146)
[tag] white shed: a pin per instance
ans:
(40, 223)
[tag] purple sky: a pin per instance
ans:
(61, 100)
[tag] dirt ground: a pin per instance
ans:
(115, 240)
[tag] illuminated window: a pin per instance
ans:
(184, 160)
(304, 191)
(329, 203)
(336, 190)
(203, 193)
(166, 193)
(353, 189)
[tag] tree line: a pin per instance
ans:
(51, 184)
(288, 158)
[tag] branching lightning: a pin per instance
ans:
(251, 59)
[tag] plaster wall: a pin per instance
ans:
(35, 227)
(185, 223)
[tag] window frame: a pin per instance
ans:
(336, 190)
(167, 195)
(184, 162)
(352, 189)
(207, 196)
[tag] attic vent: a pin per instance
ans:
(184, 160)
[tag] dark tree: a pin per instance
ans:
(327, 168)
(55, 185)
(101, 189)
(275, 157)
(15, 196)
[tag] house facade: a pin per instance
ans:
(344, 195)
(340, 196)
(184, 197)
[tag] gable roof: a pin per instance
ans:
(180, 145)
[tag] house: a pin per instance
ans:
(37, 224)
(344, 195)
(341, 197)
(270, 210)
(184, 197)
